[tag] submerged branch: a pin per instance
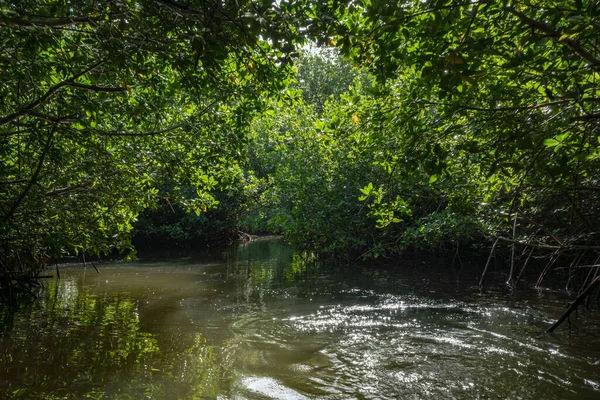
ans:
(575, 304)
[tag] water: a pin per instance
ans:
(268, 324)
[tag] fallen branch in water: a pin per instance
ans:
(575, 304)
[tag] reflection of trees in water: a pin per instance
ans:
(73, 343)
(261, 267)
(82, 343)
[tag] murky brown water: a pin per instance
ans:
(267, 324)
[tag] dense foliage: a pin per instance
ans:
(105, 103)
(481, 124)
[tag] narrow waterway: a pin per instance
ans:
(265, 323)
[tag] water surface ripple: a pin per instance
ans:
(265, 323)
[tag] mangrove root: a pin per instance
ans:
(573, 307)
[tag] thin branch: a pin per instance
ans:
(13, 182)
(549, 247)
(52, 118)
(32, 180)
(154, 133)
(487, 264)
(60, 192)
(51, 22)
(586, 117)
(95, 88)
(512, 256)
(35, 103)
(179, 6)
(132, 134)
(573, 44)
(524, 266)
(523, 108)
(579, 266)
(541, 226)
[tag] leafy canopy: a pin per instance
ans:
(105, 102)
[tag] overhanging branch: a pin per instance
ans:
(49, 22)
(37, 102)
(131, 134)
(62, 191)
(31, 182)
(95, 88)
(52, 118)
(497, 109)
(547, 29)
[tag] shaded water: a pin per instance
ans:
(267, 324)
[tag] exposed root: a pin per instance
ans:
(575, 304)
